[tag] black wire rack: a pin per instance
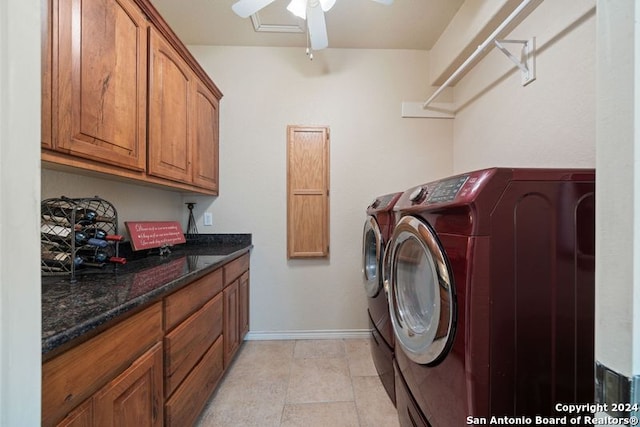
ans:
(77, 234)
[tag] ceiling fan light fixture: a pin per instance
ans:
(298, 8)
(311, 11)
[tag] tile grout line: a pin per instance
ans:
(286, 392)
(353, 389)
(285, 412)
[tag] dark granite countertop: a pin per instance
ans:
(71, 312)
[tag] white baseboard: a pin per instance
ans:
(307, 335)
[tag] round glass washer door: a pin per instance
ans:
(372, 247)
(422, 298)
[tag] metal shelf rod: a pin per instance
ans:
(487, 43)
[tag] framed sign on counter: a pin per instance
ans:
(154, 234)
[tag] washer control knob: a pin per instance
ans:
(418, 194)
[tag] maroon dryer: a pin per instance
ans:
(377, 230)
(491, 294)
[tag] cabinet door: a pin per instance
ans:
(231, 331)
(134, 398)
(243, 312)
(205, 137)
(45, 64)
(82, 416)
(100, 80)
(169, 96)
(307, 192)
(72, 377)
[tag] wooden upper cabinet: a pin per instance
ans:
(169, 112)
(100, 80)
(45, 64)
(205, 137)
(122, 96)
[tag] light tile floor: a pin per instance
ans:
(301, 383)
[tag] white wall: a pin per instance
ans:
(618, 237)
(19, 211)
(550, 122)
(357, 93)
(132, 202)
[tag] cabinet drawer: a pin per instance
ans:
(72, 377)
(179, 305)
(235, 268)
(186, 344)
(187, 402)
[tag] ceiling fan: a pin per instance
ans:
(311, 10)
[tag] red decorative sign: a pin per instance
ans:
(154, 234)
(148, 280)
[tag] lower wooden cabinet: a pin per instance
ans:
(157, 367)
(205, 322)
(135, 396)
(82, 416)
(243, 311)
(231, 324)
(185, 405)
(236, 306)
(116, 373)
(185, 345)
(132, 398)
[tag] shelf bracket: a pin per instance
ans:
(526, 62)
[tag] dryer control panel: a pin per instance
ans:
(447, 190)
(458, 189)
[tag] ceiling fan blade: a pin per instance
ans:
(317, 27)
(327, 4)
(387, 2)
(298, 8)
(246, 8)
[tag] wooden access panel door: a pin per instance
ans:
(169, 97)
(100, 81)
(308, 192)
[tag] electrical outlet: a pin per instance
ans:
(208, 218)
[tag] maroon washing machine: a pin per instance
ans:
(377, 230)
(491, 296)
